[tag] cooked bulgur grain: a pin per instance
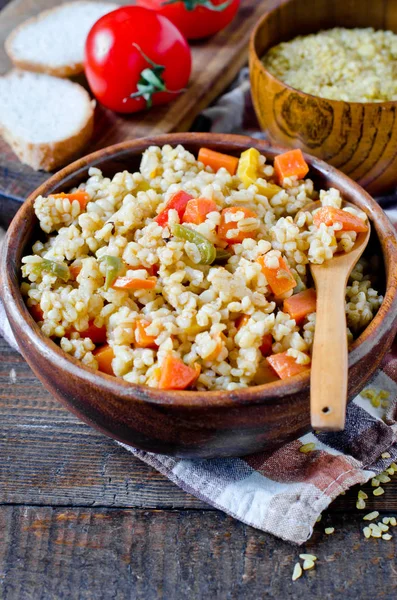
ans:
(127, 269)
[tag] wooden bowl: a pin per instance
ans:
(358, 138)
(189, 424)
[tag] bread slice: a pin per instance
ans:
(46, 120)
(53, 42)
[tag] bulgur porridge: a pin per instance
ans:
(353, 65)
(192, 273)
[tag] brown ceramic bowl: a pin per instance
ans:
(360, 139)
(189, 424)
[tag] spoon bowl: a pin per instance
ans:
(329, 369)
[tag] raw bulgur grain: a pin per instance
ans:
(297, 572)
(308, 564)
(370, 516)
(308, 557)
(367, 532)
(306, 448)
(353, 65)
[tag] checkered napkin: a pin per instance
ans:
(284, 491)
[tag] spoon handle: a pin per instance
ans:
(328, 380)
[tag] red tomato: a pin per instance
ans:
(195, 18)
(134, 58)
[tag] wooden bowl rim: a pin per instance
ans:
(262, 394)
(254, 56)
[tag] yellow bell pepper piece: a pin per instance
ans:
(194, 329)
(248, 172)
(248, 165)
(269, 190)
(142, 186)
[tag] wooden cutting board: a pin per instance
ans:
(216, 62)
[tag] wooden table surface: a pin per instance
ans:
(81, 518)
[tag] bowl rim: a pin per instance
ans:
(262, 394)
(255, 56)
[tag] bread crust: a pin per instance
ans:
(64, 71)
(50, 156)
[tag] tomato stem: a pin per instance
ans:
(151, 81)
(190, 5)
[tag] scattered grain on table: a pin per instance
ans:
(297, 572)
(306, 448)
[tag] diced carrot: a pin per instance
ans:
(81, 197)
(178, 202)
(290, 164)
(74, 271)
(300, 305)
(217, 160)
(142, 339)
(280, 280)
(197, 210)
(104, 355)
(286, 366)
(241, 321)
(131, 283)
(153, 270)
(175, 375)
(36, 312)
(331, 215)
(266, 346)
(225, 225)
(96, 334)
(264, 374)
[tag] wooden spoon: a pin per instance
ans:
(329, 368)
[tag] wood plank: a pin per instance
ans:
(216, 62)
(52, 458)
(80, 554)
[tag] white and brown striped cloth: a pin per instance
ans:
(283, 492)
